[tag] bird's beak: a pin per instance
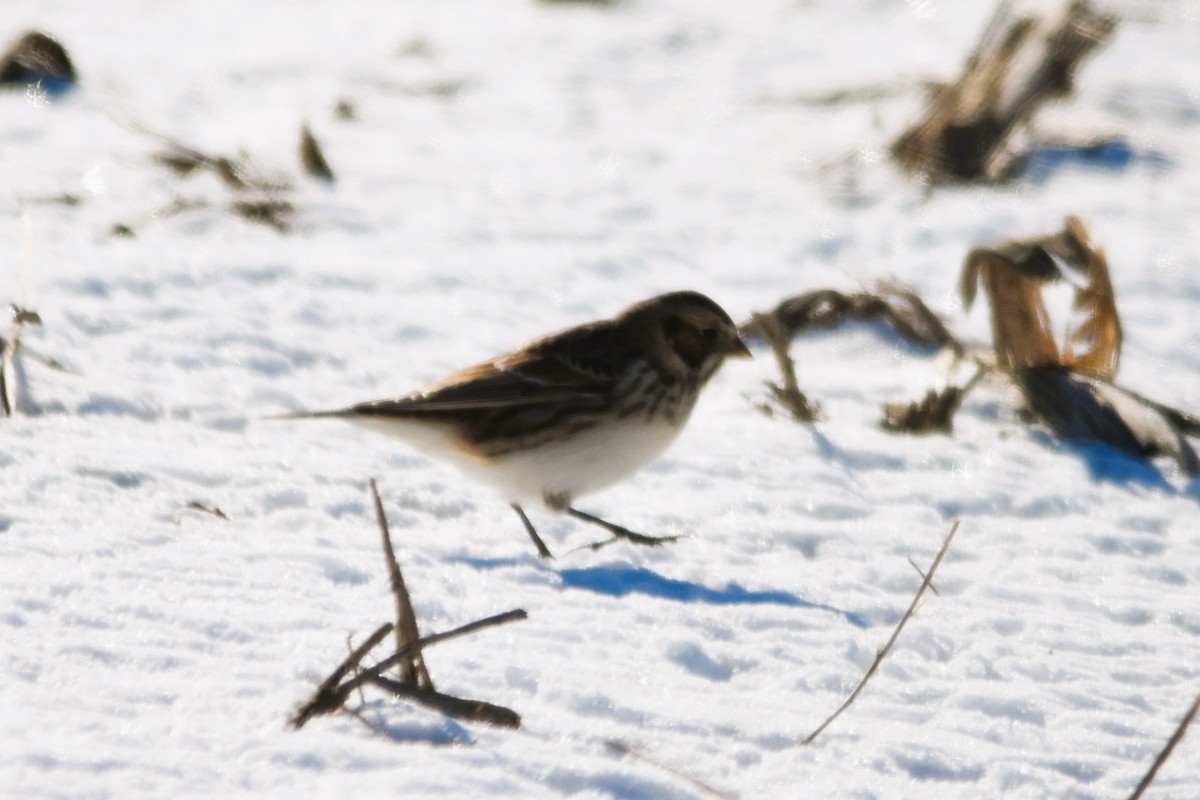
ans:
(737, 349)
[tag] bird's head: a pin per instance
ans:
(689, 335)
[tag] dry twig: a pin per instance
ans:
(10, 381)
(196, 505)
(412, 670)
(415, 683)
(899, 307)
(457, 707)
(312, 158)
(333, 692)
(329, 697)
(1175, 739)
(10, 390)
(926, 582)
(787, 394)
(622, 749)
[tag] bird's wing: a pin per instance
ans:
(579, 363)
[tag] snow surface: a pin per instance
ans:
(515, 168)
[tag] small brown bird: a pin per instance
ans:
(571, 413)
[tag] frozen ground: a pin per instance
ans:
(515, 168)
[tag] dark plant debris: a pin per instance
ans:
(196, 505)
(273, 212)
(932, 414)
(10, 378)
(1070, 387)
(787, 394)
(413, 682)
(36, 59)
(256, 198)
(1082, 407)
(236, 173)
(898, 307)
(312, 158)
(1019, 64)
(1067, 386)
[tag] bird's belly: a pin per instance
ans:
(592, 460)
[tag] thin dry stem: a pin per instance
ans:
(457, 707)
(329, 697)
(926, 583)
(412, 670)
(1166, 751)
(620, 748)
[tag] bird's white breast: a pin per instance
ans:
(594, 459)
(587, 462)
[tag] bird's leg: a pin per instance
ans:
(619, 532)
(543, 551)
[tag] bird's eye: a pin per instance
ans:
(671, 326)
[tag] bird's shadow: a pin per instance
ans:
(622, 580)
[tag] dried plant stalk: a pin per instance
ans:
(926, 583)
(788, 394)
(1086, 408)
(1018, 65)
(1099, 335)
(622, 749)
(899, 307)
(329, 697)
(312, 158)
(412, 669)
(457, 707)
(1175, 739)
(1013, 275)
(10, 379)
(415, 683)
(1071, 389)
(932, 414)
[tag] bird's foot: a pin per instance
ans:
(619, 532)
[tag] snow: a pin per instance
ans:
(515, 168)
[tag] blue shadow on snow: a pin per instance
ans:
(619, 581)
(1109, 464)
(1111, 155)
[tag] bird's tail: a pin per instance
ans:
(337, 412)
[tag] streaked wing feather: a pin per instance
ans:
(575, 364)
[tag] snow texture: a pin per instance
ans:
(513, 168)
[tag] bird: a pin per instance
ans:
(570, 413)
